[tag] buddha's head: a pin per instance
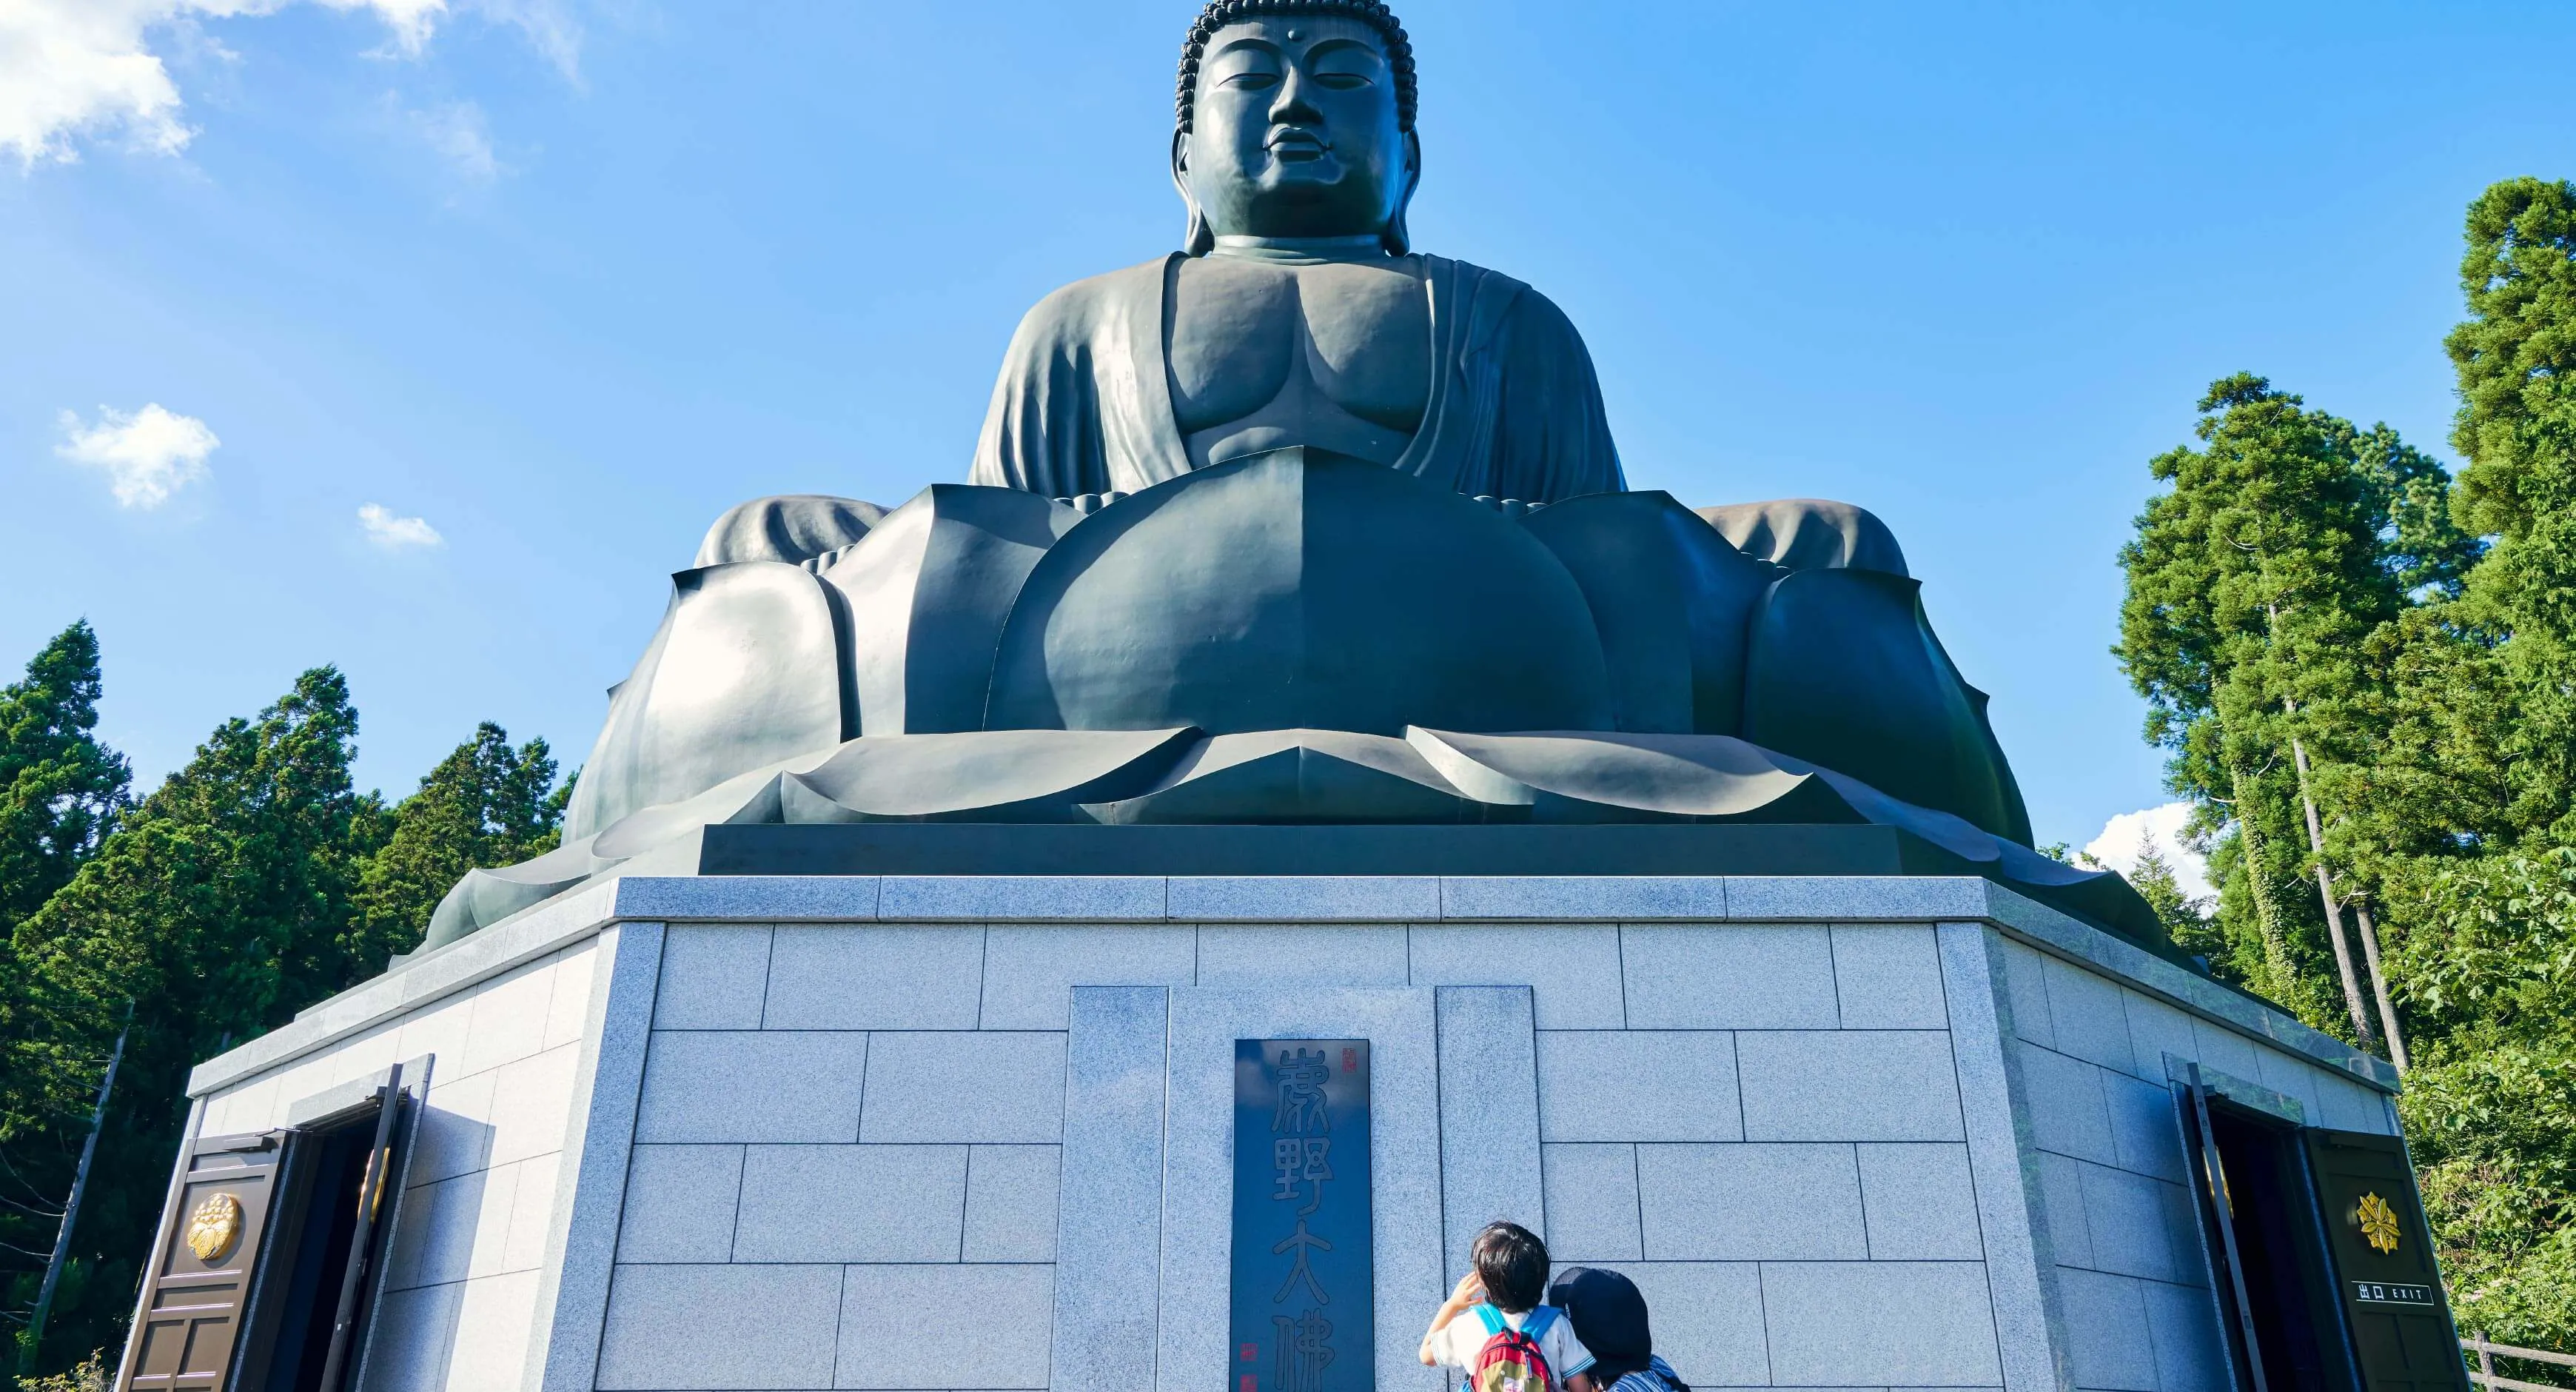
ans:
(1296, 120)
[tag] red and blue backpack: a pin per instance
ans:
(1510, 1361)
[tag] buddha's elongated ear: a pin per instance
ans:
(1197, 239)
(1396, 239)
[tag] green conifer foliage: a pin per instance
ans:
(60, 789)
(220, 906)
(486, 804)
(2254, 584)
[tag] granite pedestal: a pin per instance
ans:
(972, 1132)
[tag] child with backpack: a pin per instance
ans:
(1609, 1316)
(1495, 1328)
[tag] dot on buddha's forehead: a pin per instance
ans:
(1292, 36)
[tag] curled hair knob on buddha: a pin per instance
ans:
(1219, 13)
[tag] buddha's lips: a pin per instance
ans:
(1294, 143)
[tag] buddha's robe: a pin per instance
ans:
(1084, 402)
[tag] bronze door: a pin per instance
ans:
(210, 1241)
(2390, 1291)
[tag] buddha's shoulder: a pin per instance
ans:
(1077, 310)
(1511, 300)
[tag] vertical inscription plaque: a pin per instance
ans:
(1303, 1312)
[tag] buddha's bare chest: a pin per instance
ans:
(1251, 340)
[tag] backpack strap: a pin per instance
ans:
(1492, 1318)
(1536, 1323)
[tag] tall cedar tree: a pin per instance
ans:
(2474, 825)
(2284, 543)
(60, 789)
(220, 906)
(485, 804)
(60, 793)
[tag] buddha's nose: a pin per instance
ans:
(1291, 107)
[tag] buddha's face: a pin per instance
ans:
(1294, 132)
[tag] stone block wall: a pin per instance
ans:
(2130, 1275)
(845, 1169)
(484, 1187)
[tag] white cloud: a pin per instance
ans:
(148, 454)
(2160, 827)
(71, 69)
(396, 533)
(460, 136)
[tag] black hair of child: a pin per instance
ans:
(1512, 1263)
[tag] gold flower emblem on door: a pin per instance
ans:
(214, 1228)
(2378, 1223)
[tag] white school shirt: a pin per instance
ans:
(1463, 1337)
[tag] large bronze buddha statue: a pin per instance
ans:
(1293, 525)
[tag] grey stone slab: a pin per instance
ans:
(2011, 1205)
(1721, 1343)
(1888, 976)
(720, 1327)
(852, 1203)
(1030, 971)
(2067, 1111)
(1729, 976)
(493, 1323)
(508, 1021)
(2062, 1185)
(1600, 898)
(2146, 1130)
(2026, 990)
(986, 898)
(1304, 898)
(1920, 1202)
(946, 1326)
(680, 1204)
(1848, 1085)
(2217, 1046)
(2348, 1106)
(1882, 1324)
(709, 1086)
(571, 1305)
(2183, 1321)
(1289, 955)
(1638, 1085)
(1404, 1157)
(1751, 1202)
(413, 1332)
(761, 898)
(455, 1132)
(1011, 1203)
(1489, 1147)
(2139, 1225)
(1109, 1220)
(1855, 898)
(1572, 969)
(2155, 1030)
(532, 1104)
(2088, 1016)
(2292, 1077)
(1592, 1211)
(998, 1087)
(713, 977)
(439, 1226)
(2106, 1322)
(876, 977)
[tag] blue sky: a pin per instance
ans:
(544, 285)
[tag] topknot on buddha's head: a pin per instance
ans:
(1374, 13)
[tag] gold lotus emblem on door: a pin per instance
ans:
(214, 1227)
(2378, 1223)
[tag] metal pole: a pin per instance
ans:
(35, 1335)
